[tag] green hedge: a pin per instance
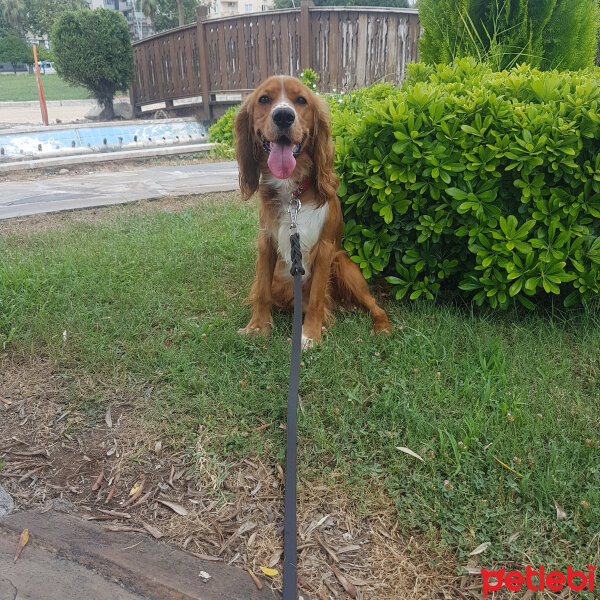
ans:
(465, 178)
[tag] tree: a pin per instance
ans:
(13, 13)
(148, 7)
(39, 15)
(92, 48)
(4, 24)
(392, 3)
(570, 37)
(169, 15)
(542, 33)
(180, 13)
(15, 50)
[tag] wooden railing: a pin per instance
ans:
(347, 46)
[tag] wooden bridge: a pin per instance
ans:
(202, 64)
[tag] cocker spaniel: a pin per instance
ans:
(285, 150)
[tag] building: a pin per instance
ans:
(139, 24)
(226, 8)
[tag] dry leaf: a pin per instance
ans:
(357, 581)
(136, 487)
(108, 418)
(409, 451)
(348, 587)
(114, 513)
(269, 572)
(122, 528)
(205, 556)
(561, 515)
(30, 473)
(153, 531)
(173, 506)
(256, 580)
(481, 548)
(158, 447)
(98, 482)
(22, 542)
(111, 493)
(135, 493)
(260, 428)
(275, 558)
(142, 499)
(513, 537)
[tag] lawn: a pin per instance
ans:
(501, 406)
(20, 88)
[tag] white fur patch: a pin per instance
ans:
(307, 343)
(309, 223)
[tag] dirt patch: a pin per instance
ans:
(59, 450)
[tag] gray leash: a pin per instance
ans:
(290, 578)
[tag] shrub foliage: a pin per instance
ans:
(222, 131)
(465, 178)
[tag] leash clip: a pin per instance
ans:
(293, 209)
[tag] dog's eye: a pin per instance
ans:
(300, 100)
(264, 100)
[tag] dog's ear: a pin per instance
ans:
(326, 181)
(247, 151)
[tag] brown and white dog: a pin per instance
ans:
(284, 146)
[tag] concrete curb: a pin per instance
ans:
(87, 124)
(143, 567)
(6, 503)
(78, 159)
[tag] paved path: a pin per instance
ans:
(68, 558)
(68, 192)
(29, 113)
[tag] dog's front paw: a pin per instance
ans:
(311, 337)
(381, 325)
(253, 329)
(308, 343)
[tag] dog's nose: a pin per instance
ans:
(283, 117)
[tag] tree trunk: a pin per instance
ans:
(107, 103)
(180, 12)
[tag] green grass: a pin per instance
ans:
(21, 88)
(157, 297)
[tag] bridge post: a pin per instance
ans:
(305, 34)
(201, 12)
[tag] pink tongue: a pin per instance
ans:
(281, 161)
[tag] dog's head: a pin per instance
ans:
(284, 126)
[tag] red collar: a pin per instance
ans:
(305, 185)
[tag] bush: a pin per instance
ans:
(465, 178)
(222, 131)
(92, 48)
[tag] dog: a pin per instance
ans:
(285, 150)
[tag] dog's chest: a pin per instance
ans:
(309, 223)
